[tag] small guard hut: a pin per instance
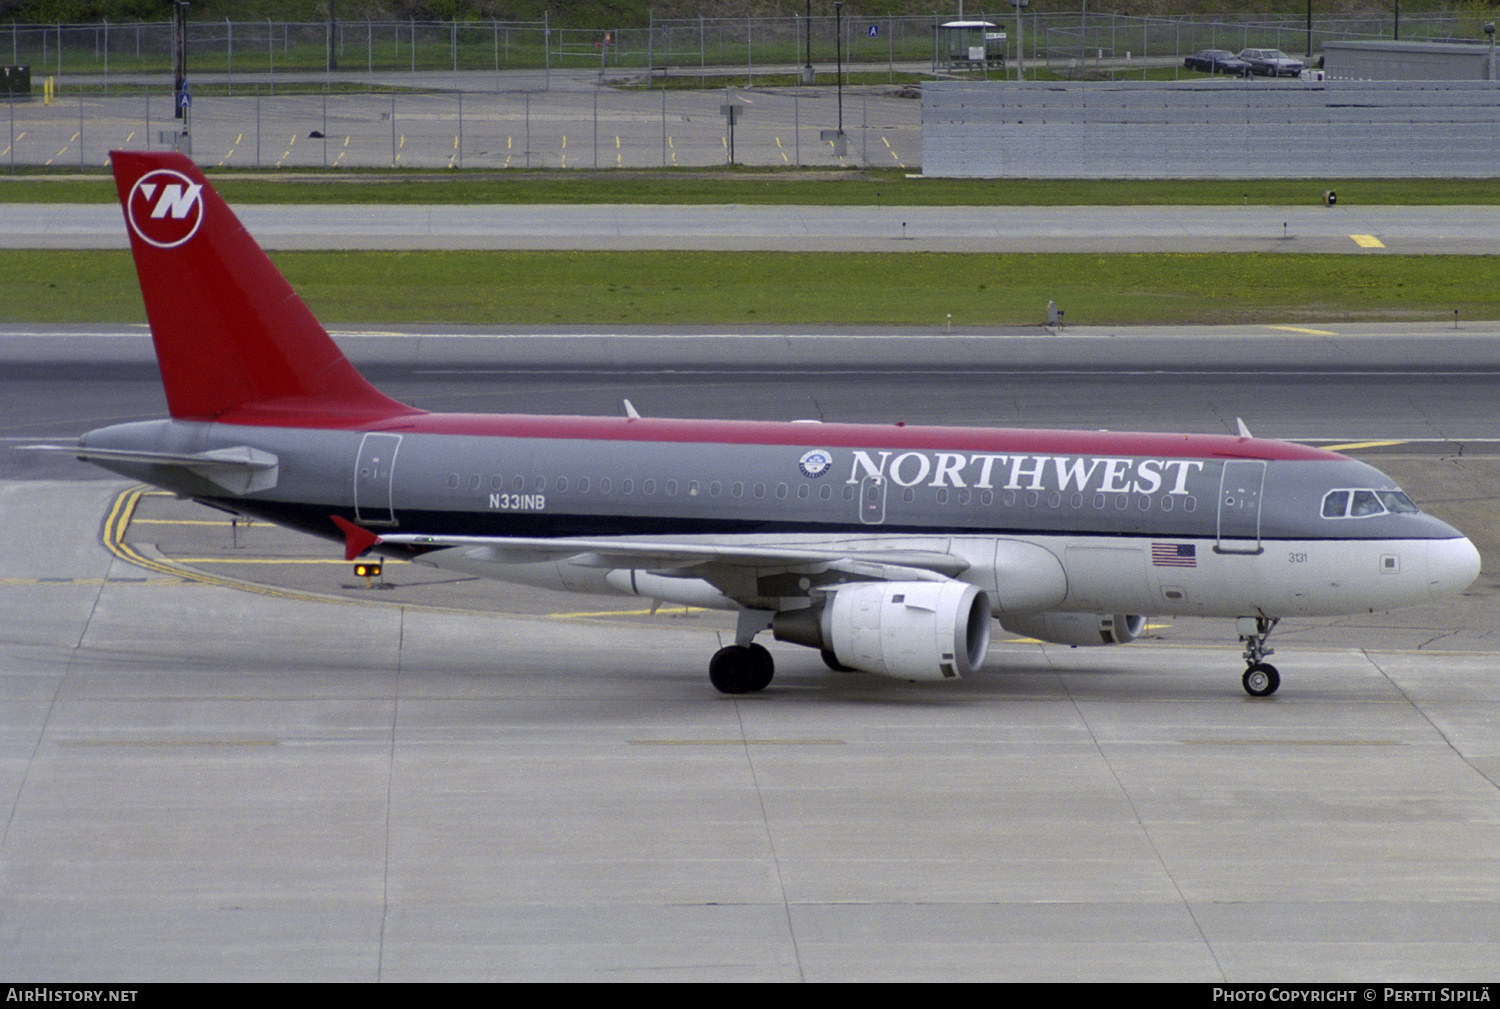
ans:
(968, 45)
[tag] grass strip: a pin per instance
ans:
(840, 289)
(808, 187)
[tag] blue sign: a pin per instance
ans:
(874, 31)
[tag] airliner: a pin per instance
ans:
(888, 549)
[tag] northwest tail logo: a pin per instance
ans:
(165, 208)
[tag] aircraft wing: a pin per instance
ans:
(693, 559)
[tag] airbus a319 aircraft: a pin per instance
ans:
(889, 549)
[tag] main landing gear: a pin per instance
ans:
(1261, 678)
(744, 667)
(741, 669)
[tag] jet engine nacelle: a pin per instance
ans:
(938, 630)
(1076, 628)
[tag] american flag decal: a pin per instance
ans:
(1174, 555)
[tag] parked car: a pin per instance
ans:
(1217, 61)
(1271, 63)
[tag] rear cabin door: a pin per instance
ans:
(374, 470)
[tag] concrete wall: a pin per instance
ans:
(1406, 61)
(1210, 129)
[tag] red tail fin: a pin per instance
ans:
(233, 339)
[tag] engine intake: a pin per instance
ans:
(938, 630)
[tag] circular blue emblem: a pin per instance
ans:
(815, 463)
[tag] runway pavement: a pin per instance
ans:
(1343, 229)
(215, 767)
(223, 757)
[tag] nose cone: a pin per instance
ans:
(1452, 566)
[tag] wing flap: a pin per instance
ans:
(679, 559)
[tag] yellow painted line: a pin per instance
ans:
(1365, 444)
(185, 522)
(632, 613)
(1303, 329)
(273, 560)
(1367, 242)
(168, 742)
(736, 742)
(90, 581)
(1291, 742)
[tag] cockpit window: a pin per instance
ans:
(1355, 504)
(1397, 502)
(1365, 503)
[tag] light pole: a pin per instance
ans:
(838, 55)
(808, 76)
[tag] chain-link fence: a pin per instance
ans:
(488, 94)
(598, 128)
(759, 45)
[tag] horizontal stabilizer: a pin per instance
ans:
(239, 470)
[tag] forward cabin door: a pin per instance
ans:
(872, 500)
(1239, 506)
(373, 472)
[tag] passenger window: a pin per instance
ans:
(1335, 504)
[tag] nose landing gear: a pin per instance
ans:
(1261, 678)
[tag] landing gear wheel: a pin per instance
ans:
(832, 662)
(765, 665)
(1261, 680)
(741, 669)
